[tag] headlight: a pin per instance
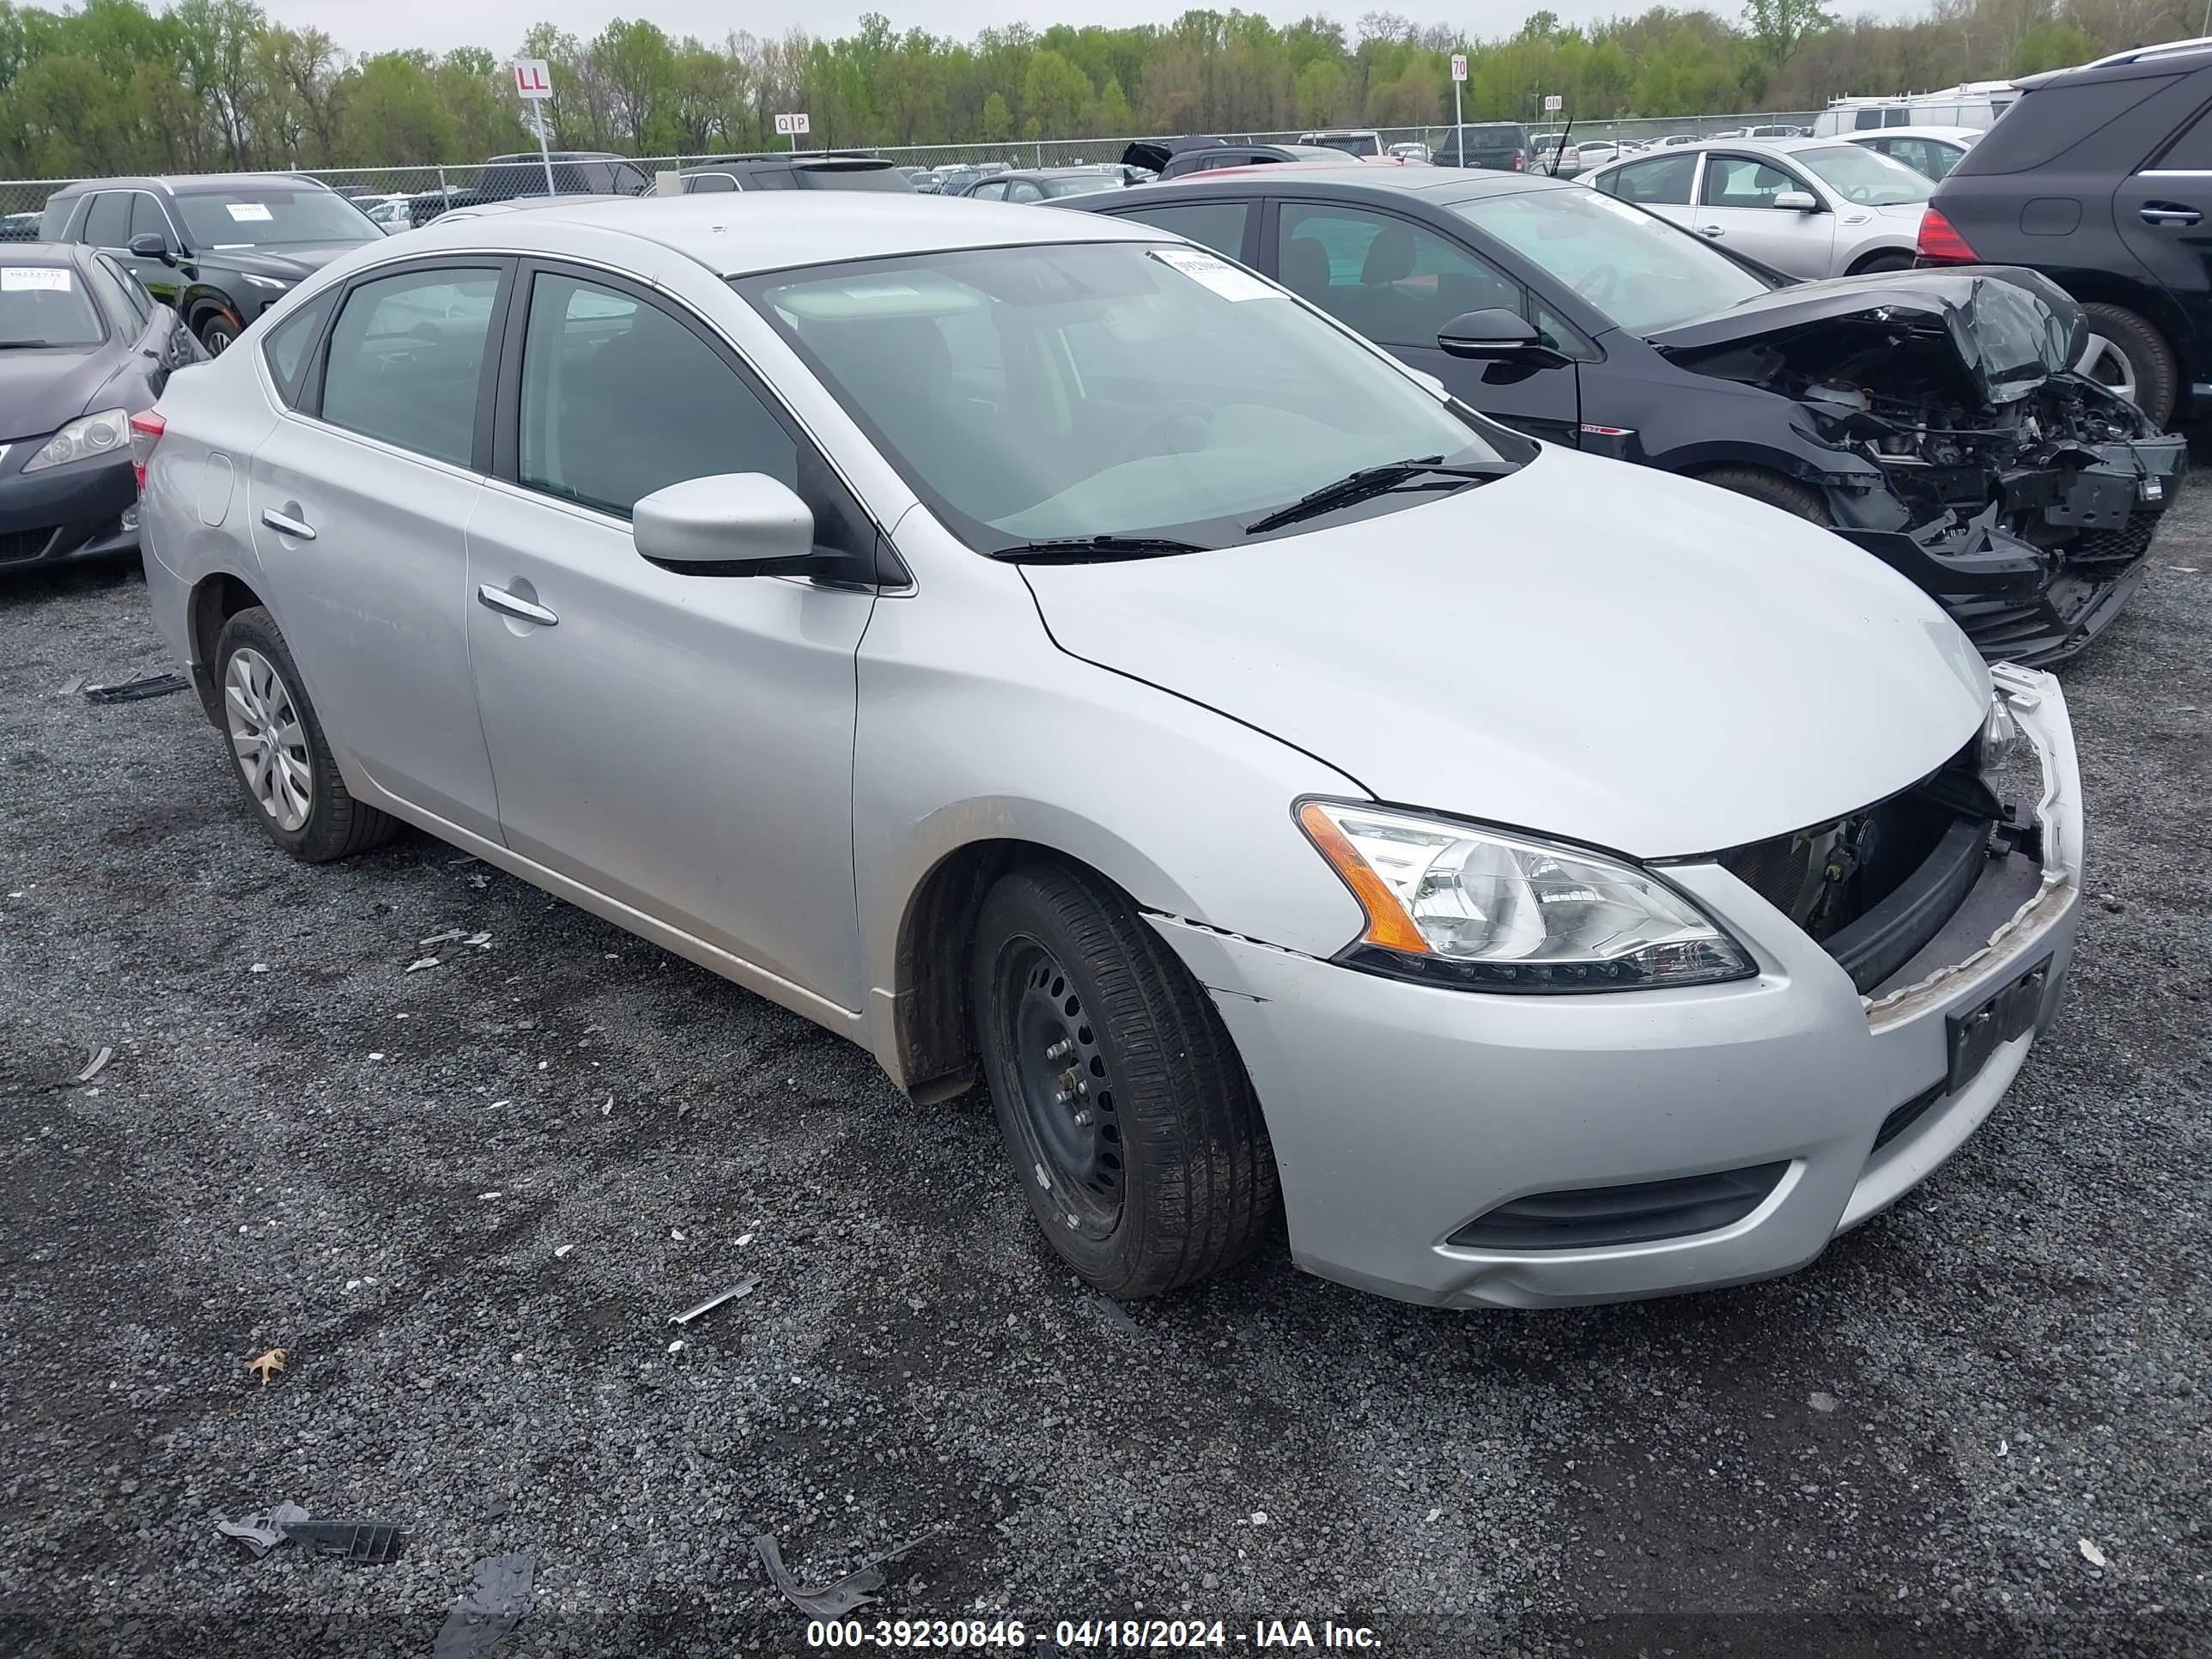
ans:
(1447, 904)
(106, 433)
(263, 281)
(2000, 736)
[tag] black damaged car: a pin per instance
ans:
(1930, 417)
(83, 348)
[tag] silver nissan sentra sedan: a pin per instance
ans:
(1053, 656)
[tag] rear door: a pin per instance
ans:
(1398, 282)
(1736, 195)
(1663, 185)
(359, 497)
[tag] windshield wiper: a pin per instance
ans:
(1376, 481)
(1086, 550)
(9, 345)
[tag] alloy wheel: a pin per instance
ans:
(1064, 1114)
(267, 737)
(2103, 361)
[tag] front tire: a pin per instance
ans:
(218, 332)
(1774, 489)
(279, 752)
(1124, 1107)
(2131, 358)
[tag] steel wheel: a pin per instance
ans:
(2103, 361)
(1065, 1118)
(267, 737)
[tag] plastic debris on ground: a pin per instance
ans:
(264, 1529)
(364, 1543)
(136, 691)
(1115, 1316)
(742, 1288)
(491, 1606)
(71, 687)
(2091, 1553)
(446, 938)
(421, 963)
(266, 1365)
(838, 1598)
(101, 1057)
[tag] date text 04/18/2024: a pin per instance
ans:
(1101, 1634)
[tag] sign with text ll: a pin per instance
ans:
(1459, 66)
(533, 78)
(786, 125)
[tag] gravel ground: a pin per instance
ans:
(465, 1201)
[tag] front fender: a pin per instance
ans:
(195, 299)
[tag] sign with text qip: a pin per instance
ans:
(533, 77)
(786, 125)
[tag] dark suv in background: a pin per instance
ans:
(221, 247)
(1503, 145)
(2101, 179)
(739, 173)
(575, 172)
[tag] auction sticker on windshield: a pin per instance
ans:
(26, 279)
(1218, 275)
(243, 211)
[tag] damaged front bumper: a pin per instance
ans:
(1427, 1136)
(2034, 604)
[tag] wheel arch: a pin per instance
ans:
(215, 599)
(197, 303)
(1892, 256)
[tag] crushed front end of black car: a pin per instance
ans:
(1969, 455)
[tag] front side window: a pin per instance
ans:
(108, 222)
(1151, 391)
(1392, 281)
(1218, 225)
(992, 192)
(1858, 175)
(1631, 266)
(1023, 191)
(46, 305)
(1663, 182)
(1739, 181)
(620, 399)
(273, 215)
(147, 219)
(405, 359)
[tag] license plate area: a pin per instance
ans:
(1982, 1030)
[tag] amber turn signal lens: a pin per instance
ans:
(1388, 924)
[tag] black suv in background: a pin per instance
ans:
(729, 172)
(222, 247)
(2101, 179)
(575, 172)
(1503, 145)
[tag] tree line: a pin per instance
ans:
(116, 87)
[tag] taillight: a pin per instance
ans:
(1941, 243)
(146, 429)
(1519, 159)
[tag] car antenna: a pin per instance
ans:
(1562, 149)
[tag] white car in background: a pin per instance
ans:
(1807, 207)
(1932, 151)
(388, 213)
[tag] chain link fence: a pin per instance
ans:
(401, 195)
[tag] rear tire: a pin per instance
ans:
(1774, 489)
(2131, 357)
(277, 749)
(1127, 1115)
(1883, 261)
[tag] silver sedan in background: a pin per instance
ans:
(1053, 657)
(1807, 207)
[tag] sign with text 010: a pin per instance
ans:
(533, 77)
(1554, 104)
(786, 125)
(1459, 66)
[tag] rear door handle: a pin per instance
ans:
(285, 525)
(1711, 230)
(499, 599)
(2168, 215)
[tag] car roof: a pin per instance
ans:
(191, 183)
(45, 253)
(1956, 135)
(1443, 185)
(738, 235)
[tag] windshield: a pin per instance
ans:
(46, 305)
(1865, 176)
(889, 178)
(1351, 144)
(1110, 388)
(1083, 184)
(273, 216)
(1636, 268)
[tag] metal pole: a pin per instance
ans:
(795, 141)
(1458, 141)
(545, 155)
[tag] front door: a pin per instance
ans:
(2164, 213)
(1736, 208)
(1399, 283)
(358, 502)
(680, 742)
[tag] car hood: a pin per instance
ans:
(1611, 654)
(43, 389)
(295, 262)
(2010, 329)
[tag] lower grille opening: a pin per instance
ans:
(1578, 1218)
(1906, 1115)
(24, 543)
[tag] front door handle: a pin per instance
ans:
(1711, 230)
(2171, 215)
(285, 525)
(499, 599)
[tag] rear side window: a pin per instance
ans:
(1664, 183)
(2054, 119)
(292, 343)
(108, 224)
(1218, 225)
(406, 357)
(2192, 150)
(709, 183)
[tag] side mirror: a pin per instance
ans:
(1797, 201)
(151, 246)
(732, 524)
(1496, 335)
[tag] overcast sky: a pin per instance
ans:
(499, 24)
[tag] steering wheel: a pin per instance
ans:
(1145, 443)
(1599, 283)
